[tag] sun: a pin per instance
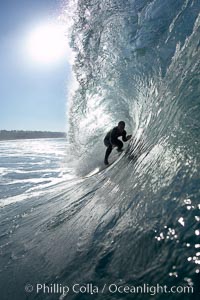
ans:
(47, 43)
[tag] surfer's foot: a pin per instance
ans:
(106, 162)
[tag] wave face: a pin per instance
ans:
(139, 61)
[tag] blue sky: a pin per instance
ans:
(33, 95)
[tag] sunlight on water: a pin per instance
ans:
(30, 166)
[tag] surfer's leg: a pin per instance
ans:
(108, 151)
(119, 145)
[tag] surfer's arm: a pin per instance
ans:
(125, 137)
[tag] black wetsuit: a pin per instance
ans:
(111, 139)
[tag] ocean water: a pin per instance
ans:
(26, 165)
(136, 223)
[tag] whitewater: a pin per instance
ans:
(136, 223)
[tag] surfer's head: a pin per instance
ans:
(121, 126)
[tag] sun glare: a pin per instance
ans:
(47, 44)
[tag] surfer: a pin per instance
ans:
(111, 139)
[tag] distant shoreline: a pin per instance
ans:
(6, 135)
